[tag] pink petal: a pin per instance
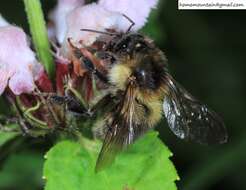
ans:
(94, 17)
(21, 82)
(4, 77)
(14, 47)
(3, 22)
(58, 16)
(137, 10)
(17, 58)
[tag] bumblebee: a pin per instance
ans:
(139, 91)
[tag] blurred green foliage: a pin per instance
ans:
(6, 136)
(206, 53)
(22, 171)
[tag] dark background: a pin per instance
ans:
(206, 53)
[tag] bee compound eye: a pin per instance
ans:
(140, 75)
(124, 46)
(144, 79)
(138, 45)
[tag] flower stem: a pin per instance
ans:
(39, 35)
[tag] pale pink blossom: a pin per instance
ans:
(5, 74)
(92, 16)
(58, 16)
(3, 22)
(137, 10)
(18, 65)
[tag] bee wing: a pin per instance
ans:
(122, 130)
(117, 137)
(189, 119)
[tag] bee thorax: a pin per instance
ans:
(119, 75)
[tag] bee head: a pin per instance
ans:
(128, 44)
(139, 62)
(145, 71)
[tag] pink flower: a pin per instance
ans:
(3, 22)
(58, 16)
(18, 65)
(92, 16)
(137, 10)
(106, 14)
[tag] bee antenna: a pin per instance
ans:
(100, 32)
(131, 21)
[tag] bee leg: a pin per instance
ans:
(87, 62)
(90, 67)
(73, 105)
(104, 55)
(101, 104)
(76, 51)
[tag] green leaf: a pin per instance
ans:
(6, 136)
(144, 165)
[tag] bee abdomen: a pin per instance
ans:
(149, 113)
